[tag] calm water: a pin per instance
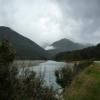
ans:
(47, 71)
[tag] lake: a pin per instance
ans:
(47, 71)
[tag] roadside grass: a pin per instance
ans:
(86, 86)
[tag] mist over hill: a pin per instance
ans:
(64, 45)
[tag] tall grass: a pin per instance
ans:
(86, 86)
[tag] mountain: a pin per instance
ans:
(64, 45)
(92, 52)
(25, 48)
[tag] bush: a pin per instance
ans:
(31, 87)
(78, 67)
(64, 76)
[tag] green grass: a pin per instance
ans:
(86, 86)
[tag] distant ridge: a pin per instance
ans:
(25, 48)
(64, 45)
(89, 53)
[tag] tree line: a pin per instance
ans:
(92, 53)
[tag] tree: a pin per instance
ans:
(7, 55)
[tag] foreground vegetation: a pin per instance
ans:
(86, 86)
(82, 82)
(13, 87)
(66, 75)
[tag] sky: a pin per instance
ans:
(46, 21)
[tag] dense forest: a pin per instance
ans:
(92, 53)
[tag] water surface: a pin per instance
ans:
(47, 71)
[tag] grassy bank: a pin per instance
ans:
(86, 86)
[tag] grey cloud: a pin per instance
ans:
(88, 13)
(46, 21)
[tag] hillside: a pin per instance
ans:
(83, 54)
(64, 45)
(86, 86)
(25, 48)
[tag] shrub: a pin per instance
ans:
(64, 76)
(78, 67)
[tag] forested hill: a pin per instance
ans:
(25, 48)
(83, 54)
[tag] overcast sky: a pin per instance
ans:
(46, 21)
